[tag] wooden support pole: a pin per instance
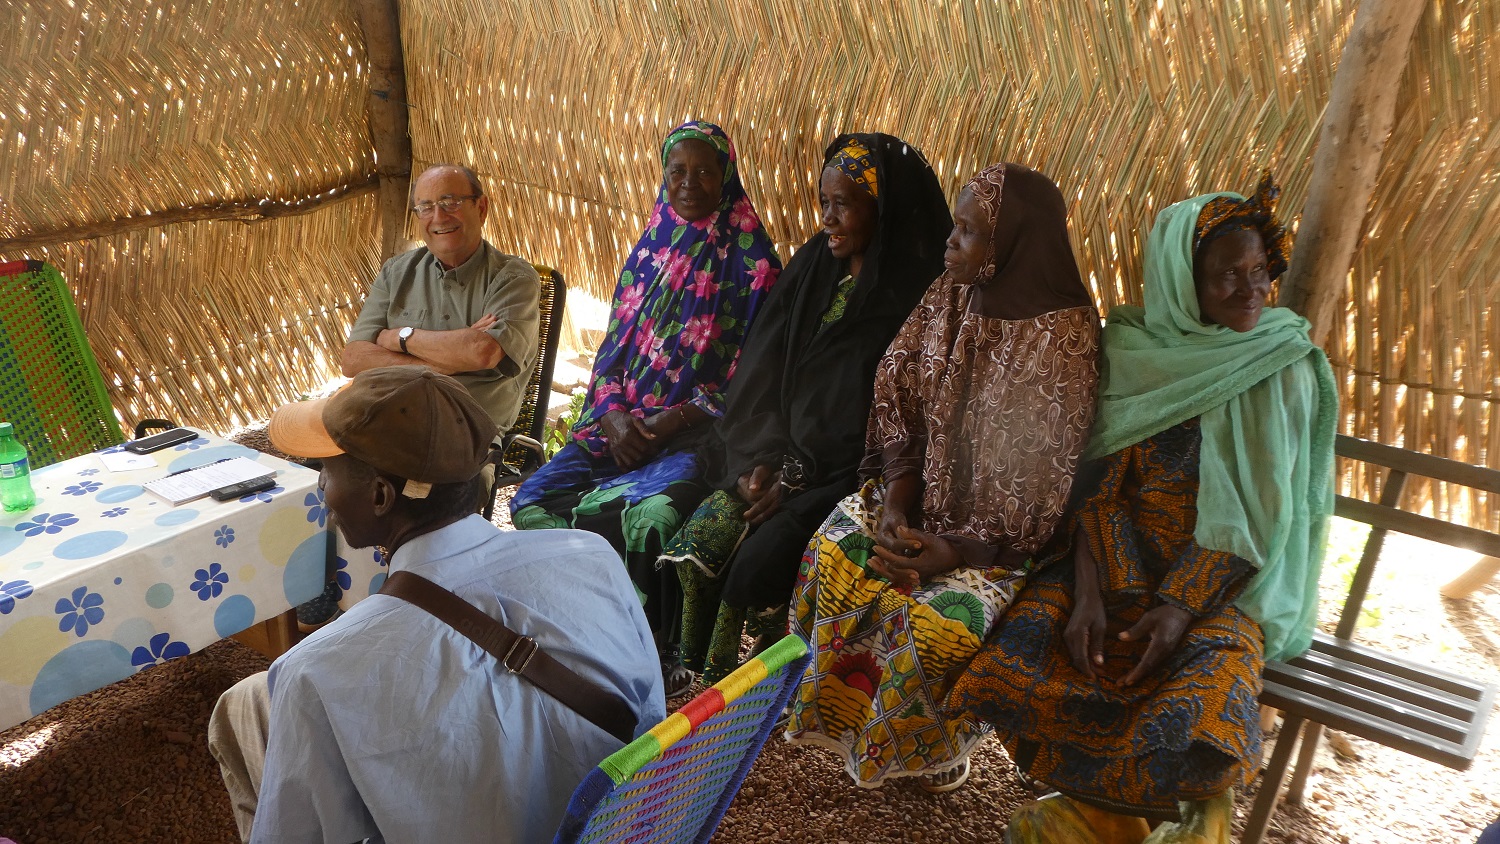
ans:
(1356, 126)
(237, 212)
(1270, 781)
(283, 632)
(1359, 586)
(1481, 573)
(387, 114)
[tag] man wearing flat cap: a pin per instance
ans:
(388, 723)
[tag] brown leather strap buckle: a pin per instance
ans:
(601, 706)
(531, 650)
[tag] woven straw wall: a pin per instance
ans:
(1419, 350)
(208, 340)
(130, 108)
(121, 110)
(1128, 112)
(1129, 107)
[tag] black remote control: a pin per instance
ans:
(227, 493)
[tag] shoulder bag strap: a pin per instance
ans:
(519, 654)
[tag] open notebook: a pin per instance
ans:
(192, 484)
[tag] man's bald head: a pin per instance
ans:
(452, 234)
(463, 170)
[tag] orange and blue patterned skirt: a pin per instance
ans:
(1189, 730)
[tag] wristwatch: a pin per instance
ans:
(403, 335)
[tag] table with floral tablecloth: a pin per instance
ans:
(102, 578)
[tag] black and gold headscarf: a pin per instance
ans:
(802, 390)
(855, 161)
(1225, 214)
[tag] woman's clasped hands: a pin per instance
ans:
(631, 441)
(906, 556)
(761, 488)
(1162, 626)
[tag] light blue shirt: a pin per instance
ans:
(389, 725)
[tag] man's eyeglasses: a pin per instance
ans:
(449, 204)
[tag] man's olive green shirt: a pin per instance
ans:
(413, 289)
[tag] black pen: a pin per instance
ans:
(195, 468)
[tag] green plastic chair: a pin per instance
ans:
(50, 386)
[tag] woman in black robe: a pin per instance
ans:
(790, 442)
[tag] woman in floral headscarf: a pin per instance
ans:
(1126, 674)
(982, 408)
(686, 298)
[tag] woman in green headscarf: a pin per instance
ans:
(1127, 673)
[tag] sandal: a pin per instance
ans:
(783, 720)
(320, 610)
(763, 643)
(949, 780)
(1036, 785)
(676, 679)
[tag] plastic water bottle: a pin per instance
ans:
(15, 473)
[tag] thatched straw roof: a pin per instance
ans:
(116, 114)
(122, 109)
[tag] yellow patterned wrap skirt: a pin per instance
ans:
(885, 656)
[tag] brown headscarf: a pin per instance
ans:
(1031, 269)
(993, 411)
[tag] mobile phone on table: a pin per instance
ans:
(157, 442)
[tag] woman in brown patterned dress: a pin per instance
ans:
(982, 407)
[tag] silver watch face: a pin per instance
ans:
(405, 332)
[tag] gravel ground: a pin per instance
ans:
(129, 763)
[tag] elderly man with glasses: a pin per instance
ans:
(457, 304)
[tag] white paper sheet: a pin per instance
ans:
(125, 461)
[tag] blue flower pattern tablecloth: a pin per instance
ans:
(102, 579)
(359, 572)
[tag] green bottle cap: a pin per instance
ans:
(5, 429)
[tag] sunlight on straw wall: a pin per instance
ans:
(218, 323)
(1129, 107)
(114, 108)
(133, 107)
(1417, 350)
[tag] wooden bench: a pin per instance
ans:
(1424, 711)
